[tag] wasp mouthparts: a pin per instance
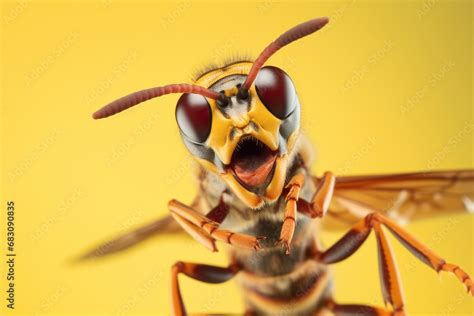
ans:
(252, 161)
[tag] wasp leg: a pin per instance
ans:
(201, 272)
(206, 231)
(352, 240)
(289, 221)
(360, 310)
(424, 253)
(321, 199)
(217, 214)
(197, 233)
(323, 195)
(389, 275)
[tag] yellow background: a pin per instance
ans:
(385, 87)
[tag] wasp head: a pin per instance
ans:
(246, 139)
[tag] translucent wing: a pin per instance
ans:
(403, 197)
(122, 242)
(164, 225)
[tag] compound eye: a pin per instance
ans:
(276, 90)
(194, 117)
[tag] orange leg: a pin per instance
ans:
(425, 254)
(197, 233)
(289, 221)
(206, 231)
(201, 272)
(389, 276)
(322, 197)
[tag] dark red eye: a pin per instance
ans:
(194, 117)
(276, 90)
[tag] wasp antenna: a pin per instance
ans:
(293, 34)
(135, 98)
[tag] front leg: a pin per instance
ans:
(316, 208)
(206, 231)
(291, 200)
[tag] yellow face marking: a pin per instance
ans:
(278, 181)
(267, 124)
(220, 136)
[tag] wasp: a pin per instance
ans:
(256, 193)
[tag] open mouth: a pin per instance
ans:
(252, 161)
